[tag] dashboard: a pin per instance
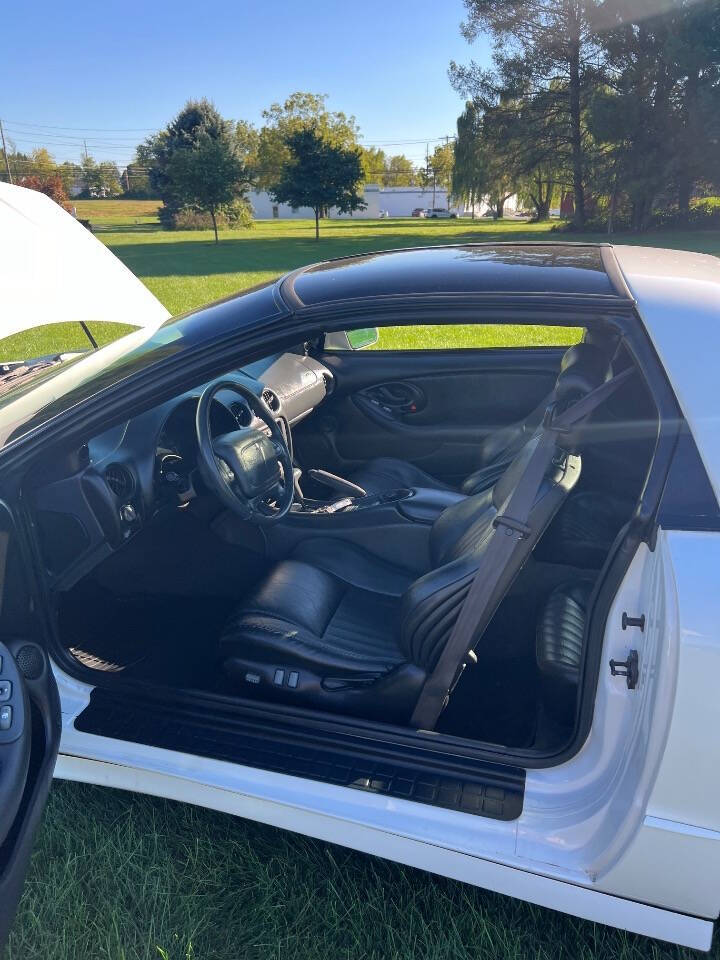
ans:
(103, 494)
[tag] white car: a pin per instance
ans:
(458, 608)
(440, 213)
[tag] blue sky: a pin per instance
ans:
(113, 73)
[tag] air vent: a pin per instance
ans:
(270, 399)
(242, 413)
(120, 481)
(329, 381)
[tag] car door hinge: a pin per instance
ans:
(628, 621)
(630, 669)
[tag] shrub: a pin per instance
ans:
(233, 216)
(704, 214)
(52, 186)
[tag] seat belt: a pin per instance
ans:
(511, 527)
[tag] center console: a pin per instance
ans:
(418, 504)
(393, 525)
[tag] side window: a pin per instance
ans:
(458, 336)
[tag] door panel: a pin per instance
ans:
(433, 408)
(29, 724)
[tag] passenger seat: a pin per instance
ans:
(559, 648)
(583, 366)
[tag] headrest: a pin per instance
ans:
(584, 367)
(607, 340)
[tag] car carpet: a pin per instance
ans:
(166, 639)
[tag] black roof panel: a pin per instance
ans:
(481, 268)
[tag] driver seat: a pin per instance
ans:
(335, 628)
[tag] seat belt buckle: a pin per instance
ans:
(512, 526)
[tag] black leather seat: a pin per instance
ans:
(337, 628)
(581, 363)
(324, 626)
(559, 649)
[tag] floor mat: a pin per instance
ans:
(168, 640)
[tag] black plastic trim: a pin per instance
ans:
(236, 734)
(642, 527)
(688, 500)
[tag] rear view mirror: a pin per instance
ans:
(352, 339)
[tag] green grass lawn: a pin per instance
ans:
(125, 877)
(118, 876)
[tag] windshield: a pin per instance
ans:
(61, 382)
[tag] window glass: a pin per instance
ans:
(461, 335)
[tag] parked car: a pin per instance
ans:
(440, 213)
(456, 608)
(419, 212)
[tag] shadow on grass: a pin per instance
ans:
(275, 251)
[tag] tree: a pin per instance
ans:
(438, 171)
(520, 136)
(374, 162)
(319, 174)
(43, 163)
(399, 172)
(656, 117)
(69, 173)
(441, 165)
(207, 176)
(196, 162)
(469, 176)
(100, 179)
(544, 49)
(136, 180)
(301, 111)
(395, 171)
(52, 186)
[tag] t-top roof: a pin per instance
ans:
(469, 269)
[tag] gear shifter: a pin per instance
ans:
(336, 483)
(299, 498)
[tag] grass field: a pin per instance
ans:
(122, 877)
(186, 269)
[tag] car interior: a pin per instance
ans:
(304, 531)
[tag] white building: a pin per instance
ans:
(380, 201)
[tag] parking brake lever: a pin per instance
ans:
(336, 483)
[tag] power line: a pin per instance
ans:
(366, 141)
(28, 123)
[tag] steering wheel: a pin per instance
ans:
(250, 472)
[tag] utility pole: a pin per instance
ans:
(5, 154)
(447, 192)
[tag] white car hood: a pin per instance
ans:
(54, 270)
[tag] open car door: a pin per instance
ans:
(29, 723)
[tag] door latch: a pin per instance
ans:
(630, 669)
